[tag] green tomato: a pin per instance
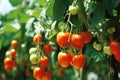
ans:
(32, 50)
(106, 49)
(97, 46)
(7, 54)
(111, 30)
(34, 58)
(73, 10)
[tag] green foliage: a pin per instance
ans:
(48, 17)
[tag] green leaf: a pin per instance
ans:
(23, 18)
(8, 28)
(98, 15)
(49, 11)
(13, 15)
(15, 2)
(60, 8)
(42, 2)
(36, 12)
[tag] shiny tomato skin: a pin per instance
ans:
(7, 68)
(47, 48)
(37, 38)
(8, 61)
(14, 43)
(115, 47)
(44, 61)
(64, 59)
(87, 36)
(13, 52)
(63, 39)
(78, 61)
(38, 73)
(77, 41)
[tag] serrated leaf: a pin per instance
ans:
(15, 2)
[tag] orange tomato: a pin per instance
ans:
(44, 61)
(64, 59)
(13, 52)
(47, 75)
(7, 68)
(14, 43)
(63, 39)
(77, 41)
(38, 73)
(37, 38)
(47, 48)
(87, 36)
(78, 61)
(8, 61)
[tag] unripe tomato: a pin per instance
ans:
(77, 41)
(106, 49)
(73, 9)
(34, 58)
(37, 38)
(47, 48)
(44, 61)
(64, 59)
(7, 54)
(111, 30)
(78, 61)
(8, 61)
(115, 47)
(87, 36)
(14, 43)
(32, 50)
(97, 46)
(63, 39)
(38, 73)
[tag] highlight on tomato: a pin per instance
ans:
(77, 41)
(64, 59)
(14, 43)
(78, 61)
(63, 39)
(37, 38)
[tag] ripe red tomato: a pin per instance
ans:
(13, 52)
(37, 38)
(115, 47)
(7, 68)
(38, 73)
(87, 36)
(44, 61)
(64, 59)
(78, 61)
(63, 39)
(77, 41)
(8, 61)
(117, 57)
(14, 43)
(47, 75)
(47, 48)
(14, 64)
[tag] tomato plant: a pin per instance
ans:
(60, 40)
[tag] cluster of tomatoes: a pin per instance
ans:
(9, 60)
(77, 42)
(115, 49)
(38, 57)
